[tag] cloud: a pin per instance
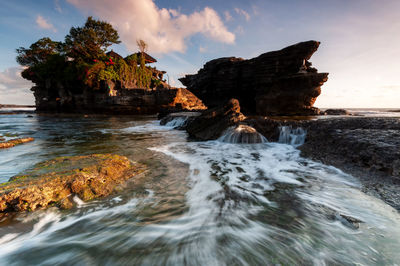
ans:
(243, 13)
(13, 88)
(165, 30)
(202, 49)
(228, 16)
(391, 87)
(239, 30)
(57, 6)
(44, 24)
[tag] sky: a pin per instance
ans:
(360, 39)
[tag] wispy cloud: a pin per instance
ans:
(202, 49)
(228, 16)
(165, 30)
(239, 30)
(242, 13)
(57, 6)
(44, 24)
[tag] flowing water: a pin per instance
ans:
(202, 203)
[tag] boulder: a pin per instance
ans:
(54, 182)
(213, 122)
(275, 83)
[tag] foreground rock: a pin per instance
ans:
(275, 83)
(11, 143)
(55, 182)
(213, 122)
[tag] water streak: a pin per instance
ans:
(242, 134)
(177, 122)
(292, 136)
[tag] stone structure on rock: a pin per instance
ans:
(275, 83)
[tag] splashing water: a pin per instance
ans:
(242, 134)
(294, 137)
(205, 203)
(177, 122)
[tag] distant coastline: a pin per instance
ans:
(16, 106)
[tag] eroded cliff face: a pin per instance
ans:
(275, 83)
(114, 98)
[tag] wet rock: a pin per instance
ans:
(213, 122)
(336, 112)
(54, 182)
(371, 143)
(275, 83)
(13, 142)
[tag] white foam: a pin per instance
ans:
(292, 136)
(242, 134)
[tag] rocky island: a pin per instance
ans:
(78, 75)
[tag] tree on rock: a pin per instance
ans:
(38, 53)
(90, 41)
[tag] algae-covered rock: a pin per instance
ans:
(53, 182)
(13, 142)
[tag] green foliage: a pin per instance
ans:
(143, 76)
(91, 40)
(131, 60)
(81, 61)
(38, 52)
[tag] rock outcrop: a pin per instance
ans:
(213, 122)
(11, 143)
(55, 182)
(116, 99)
(275, 83)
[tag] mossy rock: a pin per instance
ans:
(53, 182)
(13, 142)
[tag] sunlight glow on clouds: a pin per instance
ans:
(13, 88)
(165, 30)
(44, 24)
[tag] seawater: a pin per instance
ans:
(202, 203)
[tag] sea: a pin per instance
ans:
(201, 203)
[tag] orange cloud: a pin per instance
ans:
(164, 30)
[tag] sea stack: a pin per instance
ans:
(275, 83)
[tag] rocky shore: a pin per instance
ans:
(366, 147)
(56, 182)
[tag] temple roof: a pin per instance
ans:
(147, 57)
(113, 54)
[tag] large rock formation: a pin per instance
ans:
(275, 83)
(113, 98)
